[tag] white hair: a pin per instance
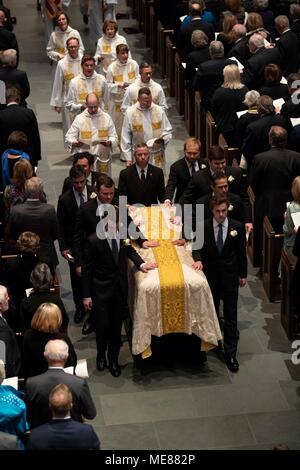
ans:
(56, 350)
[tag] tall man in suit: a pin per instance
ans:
(288, 45)
(104, 281)
(86, 160)
(142, 182)
(224, 263)
(68, 205)
(62, 432)
(10, 73)
(12, 358)
(182, 170)
(38, 387)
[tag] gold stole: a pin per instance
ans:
(86, 131)
(120, 77)
(82, 89)
(138, 128)
(60, 43)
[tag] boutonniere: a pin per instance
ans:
(230, 207)
(93, 195)
(230, 179)
(233, 233)
(203, 166)
(126, 242)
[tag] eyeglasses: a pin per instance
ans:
(73, 47)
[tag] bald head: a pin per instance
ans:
(277, 137)
(256, 42)
(56, 352)
(92, 103)
(238, 31)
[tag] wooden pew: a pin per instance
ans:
(189, 111)
(152, 31)
(210, 131)
(197, 117)
(253, 243)
(230, 153)
(179, 84)
(170, 64)
(162, 34)
(290, 311)
(272, 247)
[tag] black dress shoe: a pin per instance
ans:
(101, 362)
(114, 369)
(78, 315)
(87, 327)
(231, 363)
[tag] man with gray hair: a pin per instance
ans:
(209, 76)
(9, 350)
(240, 48)
(10, 73)
(288, 45)
(37, 388)
(253, 73)
(36, 216)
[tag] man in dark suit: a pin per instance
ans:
(10, 74)
(68, 205)
(86, 160)
(271, 177)
(104, 284)
(142, 182)
(253, 73)
(240, 48)
(288, 45)
(7, 38)
(291, 108)
(38, 387)
(62, 432)
(11, 357)
(295, 18)
(256, 136)
(224, 263)
(209, 76)
(200, 183)
(37, 217)
(18, 118)
(182, 170)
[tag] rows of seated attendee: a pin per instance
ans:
(111, 105)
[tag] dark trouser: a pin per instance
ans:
(229, 295)
(76, 286)
(107, 320)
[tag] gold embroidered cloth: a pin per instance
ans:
(174, 298)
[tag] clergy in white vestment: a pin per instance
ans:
(88, 81)
(106, 46)
(144, 80)
(93, 130)
(120, 74)
(145, 122)
(67, 68)
(56, 48)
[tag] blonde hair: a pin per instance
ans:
(232, 78)
(47, 318)
(296, 189)
(28, 242)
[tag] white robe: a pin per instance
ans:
(106, 48)
(145, 125)
(57, 42)
(131, 94)
(81, 85)
(118, 74)
(91, 129)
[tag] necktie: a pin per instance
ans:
(81, 199)
(143, 177)
(193, 168)
(115, 250)
(220, 239)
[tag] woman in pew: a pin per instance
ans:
(226, 38)
(226, 101)
(289, 228)
(16, 143)
(14, 193)
(199, 54)
(45, 325)
(272, 86)
(251, 101)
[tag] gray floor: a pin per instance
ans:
(171, 409)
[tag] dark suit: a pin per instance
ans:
(37, 391)
(290, 109)
(223, 271)
(63, 434)
(235, 210)
(179, 177)
(240, 50)
(288, 46)
(8, 41)
(253, 73)
(147, 193)
(40, 218)
(184, 36)
(193, 59)
(18, 118)
(105, 281)
(12, 354)
(18, 78)
(67, 210)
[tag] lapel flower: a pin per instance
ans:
(126, 242)
(230, 179)
(203, 166)
(93, 195)
(233, 233)
(230, 207)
